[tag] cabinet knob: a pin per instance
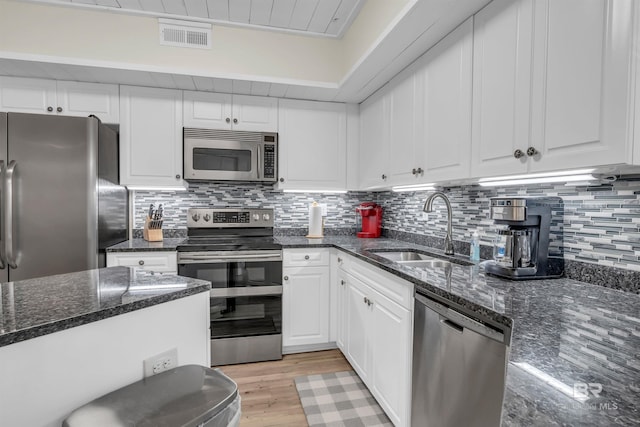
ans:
(339, 260)
(286, 277)
(59, 109)
(417, 171)
(178, 176)
(531, 151)
(518, 153)
(235, 120)
(49, 109)
(306, 257)
(384, 176)
(281, 179)
(141, 262)
(365, 300)
(342, 282)
(228, 120)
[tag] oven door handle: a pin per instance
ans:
(200, 258)
(245, 291)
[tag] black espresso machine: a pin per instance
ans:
(531, 245)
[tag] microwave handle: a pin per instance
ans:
(259, 151)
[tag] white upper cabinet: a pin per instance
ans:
(557, 100)
(444, 113)
(39, 96)
(150, 136)
(404, 147)
(312, 145)
(225, 111)
(502, 50)
(374, 141)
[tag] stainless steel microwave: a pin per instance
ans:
(228, 155)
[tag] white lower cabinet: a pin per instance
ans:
(378, 339)
(305, 300)
(165, 262)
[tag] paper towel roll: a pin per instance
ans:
(315, 220)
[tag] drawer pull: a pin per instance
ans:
(306, 257)
(141, 262)
(286, 277)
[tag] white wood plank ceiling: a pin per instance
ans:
(329, 18)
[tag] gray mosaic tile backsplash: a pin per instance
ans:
(601, 224)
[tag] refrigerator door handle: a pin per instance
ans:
(8, 215)
(3, 259)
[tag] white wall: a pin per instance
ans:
(43, 379)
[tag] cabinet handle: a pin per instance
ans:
(342, 282)
(178, 176)
(286, 277)
(365, 300)
(281, 179)
(235, 120)
(59, 109)
(141, 262)
(306, 257)
(417, 171)
(531, 151)
(49, 109)
(384, 176)
(339, 260)
(228, 120)
(518, 153)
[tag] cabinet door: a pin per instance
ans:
(581, 89)
(358, 323)
(390, 376)
(444, 125)
(207, 110)
(83, 99)
(341, 310)
(150, 136)
(21, 95)
(405, 152)
(312, 145)
(374, 142)
(305, 306)
(502, 56)
(255, 113)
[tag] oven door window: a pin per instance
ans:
(246, 316)
(235, 274)
(222, 159)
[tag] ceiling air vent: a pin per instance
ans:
(185, 33)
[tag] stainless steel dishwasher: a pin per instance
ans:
(459, 368)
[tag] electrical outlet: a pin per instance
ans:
(160, 362)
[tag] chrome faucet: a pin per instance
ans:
(428, 207)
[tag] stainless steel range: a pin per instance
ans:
(235, 250)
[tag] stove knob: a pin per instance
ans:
(265, 217)
(206, 217)
(256, 217)
(196, 217)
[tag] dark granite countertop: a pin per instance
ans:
(141, 245)
(570, 340)
(36, 307)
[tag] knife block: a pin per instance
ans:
(151, 234)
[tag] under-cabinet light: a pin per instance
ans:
(414, 187)
(315, 191)
(582, 175)
(154, 188)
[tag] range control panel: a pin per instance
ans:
(229, 218)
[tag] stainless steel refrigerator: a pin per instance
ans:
(60, 202)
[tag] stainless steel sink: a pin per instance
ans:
(402, 256)
(431, 263)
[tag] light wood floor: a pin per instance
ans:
(269, 395)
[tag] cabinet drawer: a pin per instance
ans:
(164, 262)
(305, 257)
(390, 286)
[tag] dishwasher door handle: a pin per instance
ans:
(452, 325)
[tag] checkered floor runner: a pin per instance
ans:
(339, 399)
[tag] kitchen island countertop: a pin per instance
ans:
(37, 307)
